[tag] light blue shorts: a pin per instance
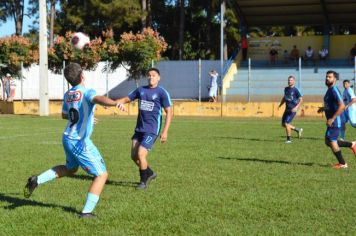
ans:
(83, 153)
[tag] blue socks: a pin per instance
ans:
(91, 202)
(46, 176)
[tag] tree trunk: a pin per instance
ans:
(144, 10)
(18, 9)
(181, 29)
(52, 17)
(149, 14)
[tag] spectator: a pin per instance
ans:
(244, 46)
(273, 55)
(12, 89)
(309, 55)
(353, 53)
(7, 82)
(285, 57)
(213, 88)
(323, 55)
(294, 54)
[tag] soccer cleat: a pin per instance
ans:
(353, 147)
(143, 185)
(300, 131)
(340, 166)
(288, 141)
(87, 215)
(30, 186)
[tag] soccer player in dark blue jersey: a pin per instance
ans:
(292, 98)
(151, 99)
(335, 120)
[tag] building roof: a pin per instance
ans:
(295, 12)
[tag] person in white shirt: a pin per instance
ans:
(309, 55)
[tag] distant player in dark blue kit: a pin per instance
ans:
(151, 99)
(292, 98)
(334, 112)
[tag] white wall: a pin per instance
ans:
(180, 78)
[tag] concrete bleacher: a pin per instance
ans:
(267, 82)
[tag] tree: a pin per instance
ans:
(13, 9)
(181, 28)
(94, 16)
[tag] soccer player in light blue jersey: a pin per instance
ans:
(151, 100)
(335, 119)
(292, 98)
(350, 106)
(78, 108)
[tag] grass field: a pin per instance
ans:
(215, 177)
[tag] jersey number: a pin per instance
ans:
(73, 116)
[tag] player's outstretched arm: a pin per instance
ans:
(123, 100)
(281, 103)
(105, 101)
(167, 123)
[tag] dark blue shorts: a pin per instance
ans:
(145, 139)
(288, 116)
(332, 133)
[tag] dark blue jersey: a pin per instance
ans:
(151, 101)
(331, 104)
(291, 97)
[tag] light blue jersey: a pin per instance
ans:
(77, 103)
(79, 149)
(350, 112)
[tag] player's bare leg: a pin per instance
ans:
(51, 174)
(95, 190)
(146, 173)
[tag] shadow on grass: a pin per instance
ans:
(274, 161)
(19, 202)
(109, 182)
(249, 139)
(308, 138)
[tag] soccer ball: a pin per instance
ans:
(80, 40)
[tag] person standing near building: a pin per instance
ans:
(292, 98)
(335, 119)
(213, 89)
(7, 82)
(244, 47)
(151, 99)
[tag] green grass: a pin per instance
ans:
(215, 177)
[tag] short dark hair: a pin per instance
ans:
(72, 73)
(336, 75)
(346, 81)
(153, 69)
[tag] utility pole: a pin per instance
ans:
(43, 93)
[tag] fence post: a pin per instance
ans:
(107, 79)
(64, 80)
(248, 80)
(199, 78)
(300, 74)
(21, 81)
(152, 63)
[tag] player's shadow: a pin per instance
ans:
(248, 139)
(274, 161)
(307, 138)
(19, 202)
(109, 182)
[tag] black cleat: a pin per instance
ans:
(143, 185)
(87, 215)
(30, 186)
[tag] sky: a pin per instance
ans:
(8, 28)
